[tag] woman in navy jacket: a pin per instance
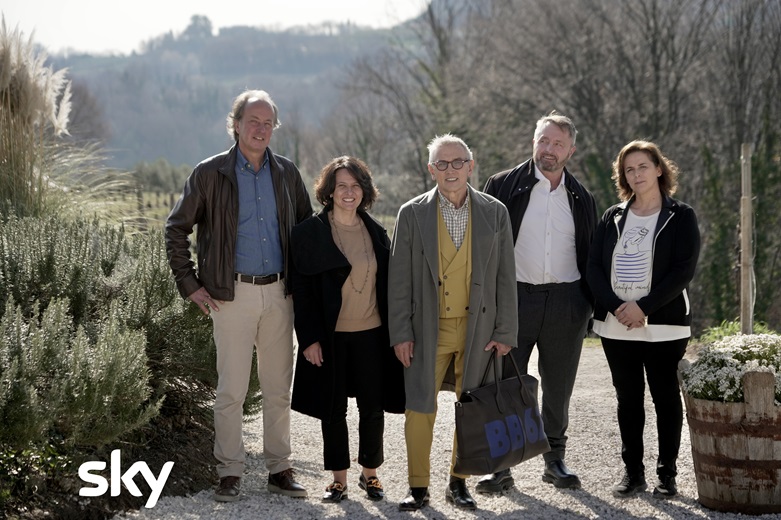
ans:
(340, 297)
(641, 261)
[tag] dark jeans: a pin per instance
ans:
(631, 362)
(553, 317)
(359, 373)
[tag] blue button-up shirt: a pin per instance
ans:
(258, 246)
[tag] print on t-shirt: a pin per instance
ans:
(633, 264)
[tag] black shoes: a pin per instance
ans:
(496, 482)
(372, 487)
(458, 495)
(415, 499)
(335, 492)
(556, 473)
(666, 487)
(630, 485)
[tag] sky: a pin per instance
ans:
(119, 27)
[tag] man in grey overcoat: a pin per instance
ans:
(452, 301)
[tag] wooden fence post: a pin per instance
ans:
(746, 248)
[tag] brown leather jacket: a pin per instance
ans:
(210, 201)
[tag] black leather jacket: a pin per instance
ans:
(210, 201)
(513, 187)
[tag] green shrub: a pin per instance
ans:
(89, 392)
(94, 342)
(32, 357)
(107, 390)
(730, 328)
(98, 300)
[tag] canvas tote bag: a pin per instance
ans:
(498, 425)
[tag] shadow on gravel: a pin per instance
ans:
(531, 507)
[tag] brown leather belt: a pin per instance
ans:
(259, 280)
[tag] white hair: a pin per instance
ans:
(441, 140)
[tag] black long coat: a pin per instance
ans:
(320, 270)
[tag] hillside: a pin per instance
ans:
(170, 100)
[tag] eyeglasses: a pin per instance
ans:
(457, 164)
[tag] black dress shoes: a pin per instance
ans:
(458, 495)
(495, 482)
(556, 473)
(415, 499)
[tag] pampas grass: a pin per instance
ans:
(40, 172)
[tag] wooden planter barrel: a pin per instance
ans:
(736, 449)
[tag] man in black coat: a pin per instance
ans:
(553, 219)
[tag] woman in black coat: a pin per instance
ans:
(641, 261)
(340, 283)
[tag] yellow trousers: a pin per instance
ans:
(419, 427)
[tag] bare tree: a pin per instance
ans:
(740, 84)
(620, 69)
(697, 76)
(419, 81)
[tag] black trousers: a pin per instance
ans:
(553, 317)
(358, 372)
(631, 362)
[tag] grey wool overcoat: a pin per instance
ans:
(413, 291)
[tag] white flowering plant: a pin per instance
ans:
(717, 373)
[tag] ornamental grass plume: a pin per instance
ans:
(31, 91)
(41, 173)
(717, 373)
(29, 108)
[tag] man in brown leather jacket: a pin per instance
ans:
(244, 203)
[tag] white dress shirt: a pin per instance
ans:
(545, 247)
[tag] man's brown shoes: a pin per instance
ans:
(228, 490)
(284, 483)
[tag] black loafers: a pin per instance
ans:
(556, 473)
(415, 499)
(372, 487)
(458, 495)
(336, 492)
(496, 482)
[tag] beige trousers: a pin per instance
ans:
(260, 317)
(419, 427)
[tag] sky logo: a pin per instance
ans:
(118, 478)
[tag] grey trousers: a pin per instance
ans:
(554, 317)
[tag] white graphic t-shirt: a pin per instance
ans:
(631, 275)
(633, 258)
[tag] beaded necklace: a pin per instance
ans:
(365, 253)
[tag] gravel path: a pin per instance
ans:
(593, 453)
